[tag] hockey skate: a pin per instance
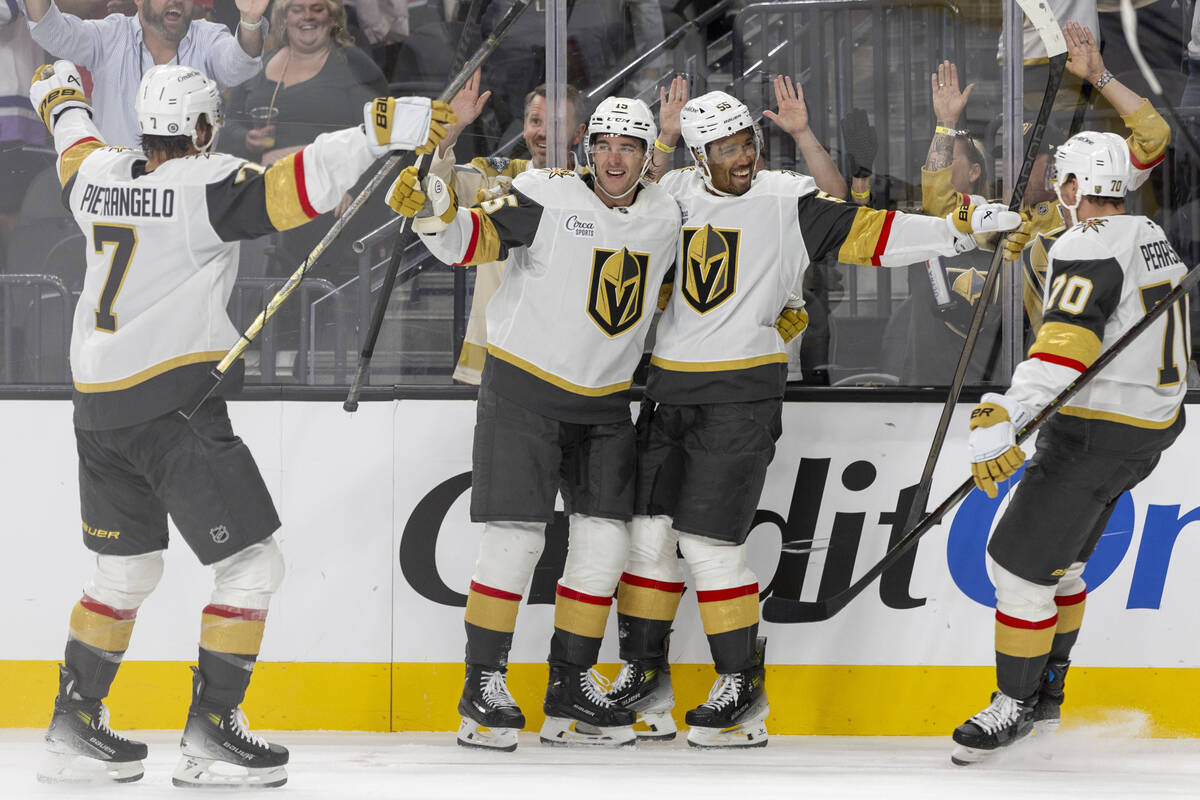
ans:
(578, 710)
(220, 751)
(1001, 724)
(490, 717)
(735, 713)
(81, 748)
(645, 688)
(1047, 713)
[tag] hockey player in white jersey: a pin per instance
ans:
(1105, 272)
(715, 390)
(163, 227)
(566, 329)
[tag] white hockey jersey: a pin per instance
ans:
(162, 256)
(1103, 276)
(741, 258)
(568, 323)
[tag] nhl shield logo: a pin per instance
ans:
(709, 266)
(219, 534)
(616, 297)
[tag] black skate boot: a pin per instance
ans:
(1002, 723)
(220, 751)
(81, 747)
(1047, 712)
(645, 687)
(490, 717)
(578, 710)
(735, 713)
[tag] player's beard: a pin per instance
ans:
(171, 31)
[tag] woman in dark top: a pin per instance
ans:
(314, 79)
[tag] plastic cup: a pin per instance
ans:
(264, 118)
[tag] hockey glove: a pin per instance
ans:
(791, 323)
(1042, 218)
(995, 455)
(430, 209)
(861, 142)
(664, 295)
(56, 88)
(405, 123)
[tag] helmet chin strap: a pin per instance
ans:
(1071, 208)
(212, 136)
(702, 162)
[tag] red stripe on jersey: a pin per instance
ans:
(1071, 599)
(571, 594)
(232, 612)
(1141, 165)
(301, 188)
(881, 243)
(650, 583)
(1062, 361)
(717, 595)
(474, 239)
(1013, 622)
(96, 607)
(499, 594)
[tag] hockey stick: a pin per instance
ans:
(405, 235)
(217, 373)
(781, 609)
(1039, 13)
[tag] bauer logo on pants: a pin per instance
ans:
(616, 298)
(709, 266)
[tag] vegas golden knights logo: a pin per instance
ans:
(709, 266)
(616, 298)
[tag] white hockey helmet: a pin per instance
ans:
(710, 117)
(621, 116)
(1100, 163)
(171, 99)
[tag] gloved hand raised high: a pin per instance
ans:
(405, 123)
(995, 455)
(56, 88)
(431, 207)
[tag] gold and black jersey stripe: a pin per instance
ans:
(1083, 295)
(499, 225)
(254, 201)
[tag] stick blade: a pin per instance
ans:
(1041, 16)
(788, 610)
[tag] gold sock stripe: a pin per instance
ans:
(99, 626)
(1070, 612)
(726, 610)
(581, 614)
(232, 630)
(1024, 639)
(648, 599)
(492, 609)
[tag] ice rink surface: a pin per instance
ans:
(1109, 762)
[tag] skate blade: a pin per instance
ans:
(79, 769)
(207, 773)
(655, 727)
(472, 734)
(964, 756)
(563, 731)
(747, 734)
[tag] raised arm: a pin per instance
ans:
(66, 35)
(250, 31)
(670, 102)
(938, 195)
(792, 117)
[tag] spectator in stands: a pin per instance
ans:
(119, 50)
(19, 124)
(315, 80)
(492, 176)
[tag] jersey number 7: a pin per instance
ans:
(124, 241)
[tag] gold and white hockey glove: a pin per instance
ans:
(791, 323)
(405, 123)
(995, 455)
(431, 207)
(56, 88)
(970, 218)
(1041, 218)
